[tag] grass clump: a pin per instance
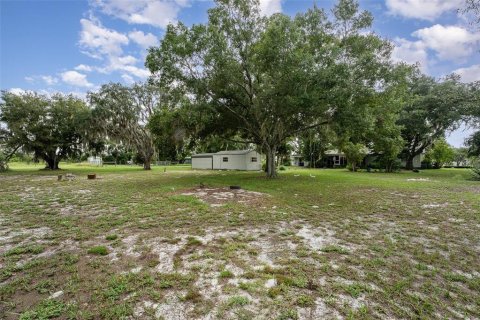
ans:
(193, 295)
(289, 314)
(46, 309)
(33, 249)
(356, 289)
(237, 301)
(98, 250)
(111, 237)
(334, 249)
(304, 301)
(226, 274)
(192, 241)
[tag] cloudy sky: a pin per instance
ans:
(74, 46)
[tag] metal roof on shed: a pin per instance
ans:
(201, 155)
(234, 152)
(226, 152)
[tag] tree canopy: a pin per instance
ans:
(431, 109)
(266, 79)
(122, 113)
(52, 128)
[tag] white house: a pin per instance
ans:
(96, 161)
(228, 160)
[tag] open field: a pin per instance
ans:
(312, 244)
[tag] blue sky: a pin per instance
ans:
(75, 46)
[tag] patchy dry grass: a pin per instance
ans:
(180, 245)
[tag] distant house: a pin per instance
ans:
(331, 159)
(96, 161)
(297, 160)
(334, 159)
(228, 160)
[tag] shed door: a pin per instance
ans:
(202, 163)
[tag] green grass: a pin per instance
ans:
(377, 245)
(111, 237)
(98, 250)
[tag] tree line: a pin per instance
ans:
(246, 79)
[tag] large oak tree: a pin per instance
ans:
(266, 79)
(122, 113)
(431, 109)
(52, 128)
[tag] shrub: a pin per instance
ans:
(282, 168)
(476, 169)
(355, 154)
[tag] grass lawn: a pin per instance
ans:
(176, 244)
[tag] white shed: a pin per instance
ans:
(228, 160)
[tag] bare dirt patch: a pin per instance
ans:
(219, 196)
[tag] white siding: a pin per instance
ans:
(202, 163)
(253, 165)
(237, 160)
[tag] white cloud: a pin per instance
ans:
(269, 7)
(449, 42)
(422, 9)
(411, 52)
(469, 74)
(128, 79)
(158, 13)
(17, 91)
(145, 40)
(125, 64)
(83, 67)
(76, 79)
(97, 40)
(49, 80)
(137, 72)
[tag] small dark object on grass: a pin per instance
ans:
(164, 169)
(416, 170)
(235, 187)
(202, 185)
(92, 176)
(60, 177)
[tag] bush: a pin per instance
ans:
(108, 158)
(282, 168)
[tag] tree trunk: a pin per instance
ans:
(52, 163)
(389, 166)
(271, 168)
(409, 163)
(146, 164)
